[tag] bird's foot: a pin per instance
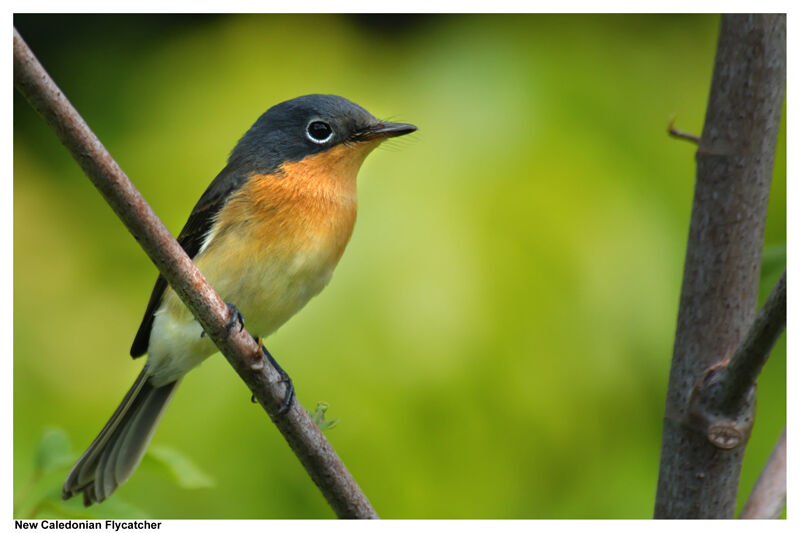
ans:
(236, 318)
(288, 399)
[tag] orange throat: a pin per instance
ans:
(312, 202)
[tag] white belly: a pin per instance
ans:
(266, 292)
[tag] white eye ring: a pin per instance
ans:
(316, 128)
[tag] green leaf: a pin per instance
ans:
(112, 508)
(54, 450)
(318, 416)
(43, 486)
(185, 472)
(43, 500)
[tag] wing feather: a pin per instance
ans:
(191, 239)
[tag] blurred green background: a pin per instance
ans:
(496, 340)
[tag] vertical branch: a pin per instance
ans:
(700, 466)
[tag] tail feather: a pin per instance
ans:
(116, 452)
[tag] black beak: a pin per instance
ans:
(383, 130)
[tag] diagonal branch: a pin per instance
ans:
(242, 352)
(722, 403)
(749, 358)
(769, 493)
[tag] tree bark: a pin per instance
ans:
(702, 450)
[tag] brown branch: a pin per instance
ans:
(722, 402)
(769, 493)
(700, 460)
(680, 134)
(749, 358)
(238, 347)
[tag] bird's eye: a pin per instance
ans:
(319, 132)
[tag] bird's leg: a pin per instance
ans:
(289, 397)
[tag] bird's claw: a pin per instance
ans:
(236, 317)
(288, 399)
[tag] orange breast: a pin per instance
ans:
(277, 240)
(307, 206)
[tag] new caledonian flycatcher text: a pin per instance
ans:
(267, 234)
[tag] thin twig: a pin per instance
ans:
(679, 134)
(749, 358)
(769, 493)
(238, 347)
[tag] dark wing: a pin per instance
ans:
(191, 239)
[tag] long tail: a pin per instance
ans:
(116, 452)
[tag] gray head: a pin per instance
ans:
(307, 125)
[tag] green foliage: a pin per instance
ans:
(182, 469)
(53, 451)
(40, 497)
(318, 416)
(114, 508)
(498, 333)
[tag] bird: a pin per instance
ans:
(267, 234)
